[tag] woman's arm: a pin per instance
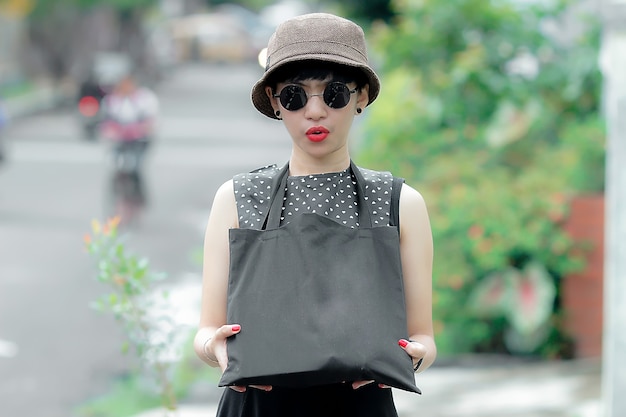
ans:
(210, 340)
(416, 250)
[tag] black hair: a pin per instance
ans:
(317, 70)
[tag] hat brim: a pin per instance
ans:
(262, 102)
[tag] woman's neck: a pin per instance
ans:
(299, 166)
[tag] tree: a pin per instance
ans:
(369, 11)
(63, 43)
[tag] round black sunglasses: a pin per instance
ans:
(336, 95)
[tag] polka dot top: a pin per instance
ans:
(333, 195)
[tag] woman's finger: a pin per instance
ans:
(415, 349)
(228, 330)
(219, 349)
(359, 384)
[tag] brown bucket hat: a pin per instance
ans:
(318, 37)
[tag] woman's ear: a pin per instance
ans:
(273, 100)
(363, 97)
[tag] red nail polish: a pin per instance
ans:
(236, 328)
(403, 343)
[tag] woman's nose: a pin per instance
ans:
(315, 107)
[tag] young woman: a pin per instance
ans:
(316, 81)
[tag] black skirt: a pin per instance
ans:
(337, 400)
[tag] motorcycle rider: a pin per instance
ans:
(130, 113)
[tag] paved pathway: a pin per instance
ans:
(481, 389)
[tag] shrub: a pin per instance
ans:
(133, 301)
(497, 123)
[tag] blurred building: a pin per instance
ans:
(212, 37)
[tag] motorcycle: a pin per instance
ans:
(90, 109)
(127, 197)
(130, 141)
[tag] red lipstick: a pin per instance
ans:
(317, 133)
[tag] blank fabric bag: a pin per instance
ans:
(318, 302)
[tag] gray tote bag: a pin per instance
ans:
(318, 302)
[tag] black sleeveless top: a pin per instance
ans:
(332, 195)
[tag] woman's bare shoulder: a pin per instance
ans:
(224, 207)
(411, 196)
(414, 218)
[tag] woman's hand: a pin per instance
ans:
(416, 351)
(218, 346)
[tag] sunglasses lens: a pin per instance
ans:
(337, 95)
(293, 97)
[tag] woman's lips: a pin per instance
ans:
(317, 133)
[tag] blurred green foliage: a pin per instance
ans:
(367, 11)
(495, 120)
(41, 8)
(255, 5)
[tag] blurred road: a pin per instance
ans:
(55, 352)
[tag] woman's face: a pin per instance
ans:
(317, 129)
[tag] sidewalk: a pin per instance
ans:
(483, 388)
(43, 97)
